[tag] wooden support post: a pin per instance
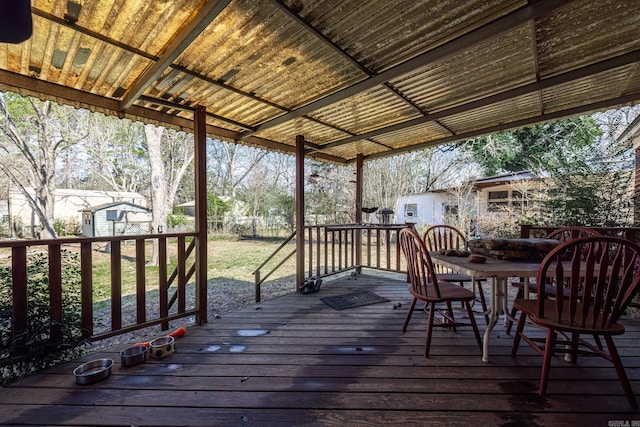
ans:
(299, 211)
(359, 188)
(359, 192)
(200, 162)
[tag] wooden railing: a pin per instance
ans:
(333, 249)
(172, 287)
(259, 277)
(629, 233)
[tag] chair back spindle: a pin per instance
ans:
(420, 268)
(595, 286)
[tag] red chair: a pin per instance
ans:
(596, 278)
(425, 286)
(563, 234)
(443, 238)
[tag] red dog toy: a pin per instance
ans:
(175, 334)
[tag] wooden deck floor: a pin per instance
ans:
(296, 361)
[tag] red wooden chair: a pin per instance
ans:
(425, 286)
(594, 287)
(563, 234)
(446, 237)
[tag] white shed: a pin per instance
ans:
(115, 219)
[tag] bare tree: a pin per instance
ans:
(117, 154)
(170, 154)
(230, 164)
(265, 184)
(34, 134)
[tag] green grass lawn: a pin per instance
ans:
(231, 258)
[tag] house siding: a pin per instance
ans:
(69, 205)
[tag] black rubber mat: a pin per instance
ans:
(355, 299)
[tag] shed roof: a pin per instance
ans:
(374, 78)
(506, 179)
(114, 204)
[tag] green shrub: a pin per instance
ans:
(241, 230)
(34, 348)
(176, 219)
(64, 227)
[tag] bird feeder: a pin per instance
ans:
(386, 215)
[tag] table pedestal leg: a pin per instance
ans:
(498, 305)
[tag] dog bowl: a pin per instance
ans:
(161, 347)
(133, 356)
(93, 371)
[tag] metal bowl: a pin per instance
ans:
(133, 355)
(161, 347)
(93, 371)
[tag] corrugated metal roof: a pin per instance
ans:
(373, 78)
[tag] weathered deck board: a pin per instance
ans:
(296, 361)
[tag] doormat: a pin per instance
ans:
(356, 299)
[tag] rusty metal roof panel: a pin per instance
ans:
(313, 131)
(98, 65)
(257, 48)
(392, 141)
(177, 86)
(350, 152)
(356, 77)
(463, 77)
(380, 33)
(147, 25)
(594, 89)
(586, 31)
(420, 134)
(479, 119)
(367, 110)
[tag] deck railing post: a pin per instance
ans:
(55, 291)
(163, 282)
(86, 288)
(525, 230)
(116, 284)
(141, 312)
(20, 312)
(257, 284)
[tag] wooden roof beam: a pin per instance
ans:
(204, 17)
(31, 86)
(536, 61)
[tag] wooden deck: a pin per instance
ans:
(296, 361)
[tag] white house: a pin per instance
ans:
(507, 192)
(491, 194)
(69, 205)
(421, 208)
